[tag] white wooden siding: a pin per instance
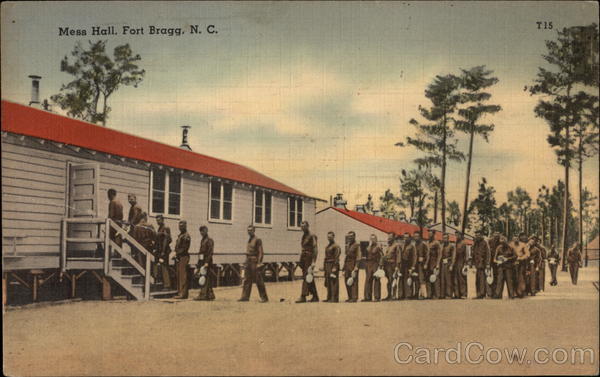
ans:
(34, 189)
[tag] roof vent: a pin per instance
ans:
(35, 90)
(184, 138)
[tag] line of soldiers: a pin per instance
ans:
(419, 269)
(414, 268)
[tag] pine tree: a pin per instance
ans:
(436, 137)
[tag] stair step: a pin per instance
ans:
(133, 276)
(79, 259)
(163, 293)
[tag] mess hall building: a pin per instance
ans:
(56, 172)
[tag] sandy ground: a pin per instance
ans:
(164, 337)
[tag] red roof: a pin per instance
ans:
(28, 121)
(389, 225)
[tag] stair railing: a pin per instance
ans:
(109, 246)
(125, 236)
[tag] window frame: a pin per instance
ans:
(167, 195)
(220, 220)
(264, 209)
(296, 201)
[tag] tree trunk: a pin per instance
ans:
(104, 112)
(565, 223)
(544, 229)
(580, 163)
(465, 218)
(443, 183)
(435, 206)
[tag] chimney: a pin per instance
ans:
(339, 202)
(184, 138)
(35, 90)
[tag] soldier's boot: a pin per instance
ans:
(301, 300)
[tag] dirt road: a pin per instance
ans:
(280, 337)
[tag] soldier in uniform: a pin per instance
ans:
(504, 258)
(374, 254)
(574, 262)
(493, 245)
(433, 268)
(535, 257)
(388, 263)
(182, 258)
(407, 261)
(448, 258)
(422, 255)
(162, 248)
(351, 266)
(553, 262)
(115, 213)
(252, 274)
(205, 260)
(134, 218)
(135, 211)
(459, 278)
(308, 257)
(144, 233)
(332, 269)
(542, 266)
(521, 249)
(480, 259)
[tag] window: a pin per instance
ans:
(262, 207)
(166, 192)
(221, 201)
(295, 208)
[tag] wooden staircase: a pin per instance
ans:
(117, 261)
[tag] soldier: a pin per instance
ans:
(374, 255)
(574, 261)
(351, 266)
(422, 255)
(480, 259)
(308, 257)
(182, 258)
(205, 261)
(458, 270)
(135, 211)
(448, 258)
(493, 245)
(134, 218)
(388, 263)
(115, 213)
(535, 256)
(542, 266)
(332, 269)
(505, 256)
(144, 233)
(252, 274)
(522, 252)
(553, 262)
(435, 261)
(162, 247)
(407, 261)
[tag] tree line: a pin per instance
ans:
(460, 104)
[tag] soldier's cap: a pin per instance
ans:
(183, 222)
(522, 234)
(479, 232)
(159, 217)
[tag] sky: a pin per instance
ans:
(314, 94)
